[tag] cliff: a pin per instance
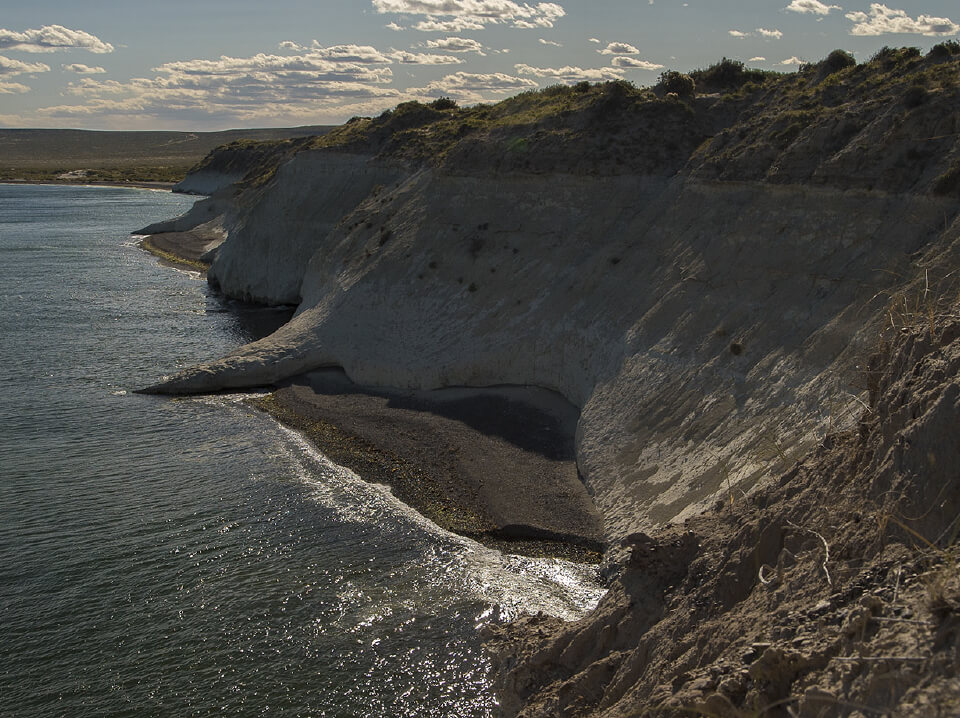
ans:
(703, 277)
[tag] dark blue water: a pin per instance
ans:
(189, 557)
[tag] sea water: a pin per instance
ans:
(190, 557)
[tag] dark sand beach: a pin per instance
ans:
(495, 464)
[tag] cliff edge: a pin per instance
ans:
(700, 276)
(703, 275)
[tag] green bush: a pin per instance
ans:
(727, 75)
(673, 81)
(836, 61)
(444, 103)
(944, 50)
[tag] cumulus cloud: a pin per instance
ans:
(631, 63)
(593, 39)
(423, 58)
(552, 43)
(569, 74)
(10, 67)
(759, 32)
(457, 25)
(456, 44)
(791, 61)
(367, 55)
(51, 38)
(82, 69)
(882, 20)
(309, 68)
(619, 48)
(813, 7)
(458, 15)
(471, 87)
(758, 58)
(242, 89)
(13, 88)
(363, 54)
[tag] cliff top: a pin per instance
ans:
(889, 123)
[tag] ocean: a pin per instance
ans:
(190, 557)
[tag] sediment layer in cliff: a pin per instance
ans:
(700, 276)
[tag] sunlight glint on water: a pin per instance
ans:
(183, 557)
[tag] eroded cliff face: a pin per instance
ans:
(703, 294)
(707, 330)
(705, 281)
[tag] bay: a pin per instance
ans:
(190, 556)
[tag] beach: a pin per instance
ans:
(495, 464)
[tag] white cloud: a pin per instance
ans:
(570, 74)
(243, 89)
(13, 88)
(593, 39)
(631, 63)
(882, 20)
(552, 43)
(395, 27)
(470, 87)
(456, 44)
(758, 58)
(458, 15)
(81, 69)
(813, 7)
(363, 54)
(619, 48)
(458, 25)
(10, 67)
(51, 38)
(791, 61)
(367, 55)
(759, 32)
(423, 58)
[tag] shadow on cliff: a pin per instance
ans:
(529, 418)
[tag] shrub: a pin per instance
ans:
(444, 103)
(582, 87)
(944, 50)
(836, 61)
(890, 58)
(727, 75)
(673, 81)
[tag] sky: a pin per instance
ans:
(219, 64)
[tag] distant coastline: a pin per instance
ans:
(157, 186)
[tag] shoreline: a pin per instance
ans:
(171, 253)
(153, 186)
(496, 465)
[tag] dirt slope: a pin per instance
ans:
(834, 592)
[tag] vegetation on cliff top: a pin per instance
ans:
(888, 123)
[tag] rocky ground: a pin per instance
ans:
(835, 592)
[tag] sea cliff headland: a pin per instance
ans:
(703, 270)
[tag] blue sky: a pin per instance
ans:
(217, 64)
